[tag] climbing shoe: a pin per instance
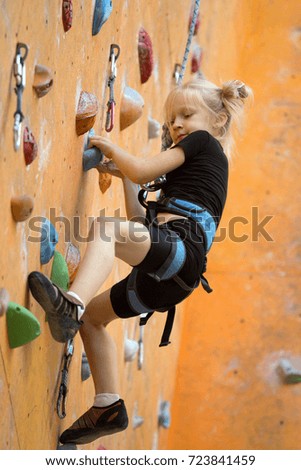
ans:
(97, 422)
(61, 308)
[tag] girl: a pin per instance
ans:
(166, 246)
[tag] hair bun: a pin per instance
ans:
(234, 89)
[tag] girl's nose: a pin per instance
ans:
(177, 123)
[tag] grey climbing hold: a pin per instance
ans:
(102, 11)
(85, 369)
(164, 414)
(91, 156)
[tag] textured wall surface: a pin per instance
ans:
(221, 371)
(79, 61)
(252, 319)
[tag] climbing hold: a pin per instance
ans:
(104, 182)
(145, 54)
(197, 22)
(30, 148)
(131, 107)
(59, 271)
(4, 301)
(22, 325)
(43, 80)
(68, 446)
(137, 420)
(130, 349)
(72, 259)
(289, 374)
(20, 77)
(196, 59)
(86, 112)
(85, 369)
(21, 207)
(164, 414)
(102, 11)
(91, 156)
(67, 14)
(154, 128)
(49, 239)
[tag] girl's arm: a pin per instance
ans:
(143, 169)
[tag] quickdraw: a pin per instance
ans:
(61, 401)
(111, 103)
(20, 76)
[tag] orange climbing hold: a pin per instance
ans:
(72, 258)
(86, 112)
(43, 80)
(131, 107)
(21, 207)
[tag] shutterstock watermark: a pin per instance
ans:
(79, 229)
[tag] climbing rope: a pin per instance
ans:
(179, 72)
(189, 39)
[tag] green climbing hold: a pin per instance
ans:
(22, 325)
(59, 272)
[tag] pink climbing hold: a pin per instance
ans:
(145, 53)
(67, 14)
(30, 147)
(196, 59)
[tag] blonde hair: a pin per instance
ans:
(225, 105)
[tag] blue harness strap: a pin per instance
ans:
(176, 258)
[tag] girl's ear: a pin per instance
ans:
(221, 120)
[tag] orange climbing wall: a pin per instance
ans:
(233, 340)
(29, 375)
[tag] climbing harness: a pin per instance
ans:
(111, 103)
(61, 401)
(20, 76)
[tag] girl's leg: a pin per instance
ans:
(99, 345)
(109, 237)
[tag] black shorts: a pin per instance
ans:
(164, 294)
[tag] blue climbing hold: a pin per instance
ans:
(49, 239)
(92, 156)
(102, 11)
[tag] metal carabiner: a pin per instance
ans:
(113, 58)
(20, 76)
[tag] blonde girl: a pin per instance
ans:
(165, 242)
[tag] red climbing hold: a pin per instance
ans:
(30, 147)
(67, 14)
(145, 53)
(196, 59)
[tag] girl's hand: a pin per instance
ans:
(104, 144)
(109, 167)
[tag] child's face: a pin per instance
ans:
(186, 118)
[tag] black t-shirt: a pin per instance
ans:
(203, 177)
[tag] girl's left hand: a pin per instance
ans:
(104, 144)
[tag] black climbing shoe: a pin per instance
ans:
(97, 422)
(60, 307)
